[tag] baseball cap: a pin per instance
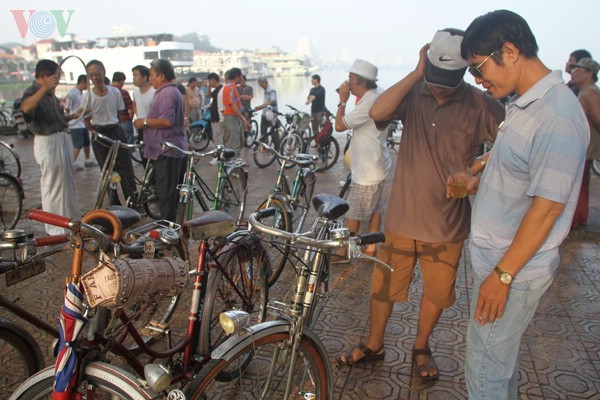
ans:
(444, 65)
(588, 64)
(364, 69)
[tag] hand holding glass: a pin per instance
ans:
(459, 177)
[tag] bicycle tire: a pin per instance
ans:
(278, 251)
(137, 155)
(347, 188)
(11, 201)
(263, 158)
(251, 135)
(198, 138)
(596, 166)
(20, 356)
(328, 153)
(101, 378)
(290, 145)
(9, 160)
(310, 373)
(161, 312)
(233, 191)
(245, 288)
(150, 196)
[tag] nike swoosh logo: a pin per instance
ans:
(442, 58)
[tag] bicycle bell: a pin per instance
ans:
(340, 233)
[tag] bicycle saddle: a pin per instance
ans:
(329, 206)
(127, 216)
(227, 154)
(209, 224)
(304, 160)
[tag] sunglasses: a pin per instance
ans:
(476, 71)
(573, 66)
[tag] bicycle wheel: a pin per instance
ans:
(263, 158)
(254, 362)
(11, 201)
(278, 250)
(150, 196)
(233, 193)
(328, 153)
(198, 138)
(596, 166)
(291, 144)
(345, 192)
(303, 198)
(251, 135)
(101, 380)
(9, 160)
(20, 356)
(240, 284)
(162, 313)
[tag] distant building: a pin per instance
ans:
(220, 62)
(284, 64)
(13, 68)
(117, 53)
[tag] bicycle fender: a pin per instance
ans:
(245, 337)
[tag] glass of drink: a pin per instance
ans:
(459, 177)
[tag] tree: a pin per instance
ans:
(201, 42)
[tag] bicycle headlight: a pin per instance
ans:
(233, 320)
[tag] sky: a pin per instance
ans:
(381, 31)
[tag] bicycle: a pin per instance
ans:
(271, 137)
(292, 203)
(11, 201)
(235, 278)
(251, 135)
(230, 190)
(9, 160)
(287, 359)
(323, 144)
(296, 130)
(146, 197)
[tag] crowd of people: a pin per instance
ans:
(529, 191)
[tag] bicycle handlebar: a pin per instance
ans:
(329, 244)
(50, 240)
(220, 149)
(298, 158)
(49, 218)
(124, 145)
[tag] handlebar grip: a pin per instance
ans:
(372, 238)
(49, 218)
(265, 213)
(50, 240)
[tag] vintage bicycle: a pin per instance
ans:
(85, 363)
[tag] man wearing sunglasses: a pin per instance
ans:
(525, 198)
(445, 121)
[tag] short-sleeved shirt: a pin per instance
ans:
(143, 101)
(371, 161)
(434, 137)
(540, 151)
(167, 104)
(230, 97)
(48, 117)
(104, 109)
(73, 103)
(318, 104)
(246, 91)
(270, 95)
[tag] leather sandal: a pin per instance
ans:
(368, 355)
(429, 364)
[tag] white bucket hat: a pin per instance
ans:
(364, 69)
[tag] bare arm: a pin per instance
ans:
(388, 102)
(532, 233)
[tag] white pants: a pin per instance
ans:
(54, 154)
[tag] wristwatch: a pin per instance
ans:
(505, 277)
(342, 104)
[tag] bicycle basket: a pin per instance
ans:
(118, 283)
(324, 135)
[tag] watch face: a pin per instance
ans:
(506, 278)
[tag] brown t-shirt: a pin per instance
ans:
(434, 138)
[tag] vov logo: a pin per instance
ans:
(42, 24)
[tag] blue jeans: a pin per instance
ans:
(491, 366)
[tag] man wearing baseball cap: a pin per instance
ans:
(445, 120)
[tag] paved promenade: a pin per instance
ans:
(560, 352)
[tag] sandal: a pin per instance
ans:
(368, 355)
(429, 364)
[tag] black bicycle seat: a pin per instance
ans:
(127, 216)
(329, 206)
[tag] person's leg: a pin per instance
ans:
(77, 141)
(386, 289)
(439, 263)
(491, 363)
(168, 175)
(124, 166)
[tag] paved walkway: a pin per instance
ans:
(560, 352)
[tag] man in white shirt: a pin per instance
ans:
(143, 93)
(79, 133)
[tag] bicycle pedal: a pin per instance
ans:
(155, 329)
